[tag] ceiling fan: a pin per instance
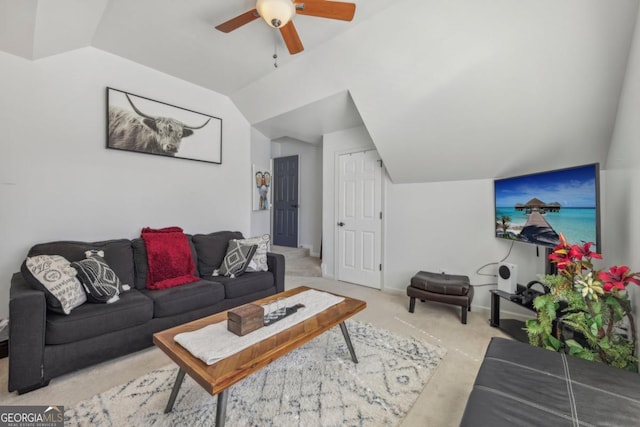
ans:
(279, 14)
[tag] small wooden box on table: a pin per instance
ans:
(244, 319)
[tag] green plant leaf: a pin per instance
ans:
(532, 324)
(593, 328)
(556, 344)
(612, 301)
(573, 344)
(540, 302)
(598, 321)
(597, 307)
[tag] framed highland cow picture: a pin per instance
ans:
(136, 123)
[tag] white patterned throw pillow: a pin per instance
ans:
(54, 275)
(259, 260)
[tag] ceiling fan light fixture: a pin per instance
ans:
(276, 13)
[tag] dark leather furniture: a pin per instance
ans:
(444, 288)
(522, 385)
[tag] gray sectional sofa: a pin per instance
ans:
(44, 345)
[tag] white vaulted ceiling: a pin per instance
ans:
(456, 89)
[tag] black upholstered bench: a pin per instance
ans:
(445, 288)
(521, 385)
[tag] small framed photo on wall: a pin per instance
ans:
(261, 188)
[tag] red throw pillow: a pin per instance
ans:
(169, 258)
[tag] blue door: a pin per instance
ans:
(285, 201)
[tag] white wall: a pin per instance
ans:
(261, 157)
(623, 177)
(57, 180)
(441, 226)
(449, 226)
(309, 191)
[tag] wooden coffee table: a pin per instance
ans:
(218, 377)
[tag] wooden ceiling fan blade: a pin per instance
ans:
(326, 9)
(291, 38)
(238, 21)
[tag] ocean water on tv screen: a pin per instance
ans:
(577, 224)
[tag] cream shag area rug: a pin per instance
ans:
(315, 385)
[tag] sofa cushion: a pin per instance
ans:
(117, 253)
(90, 320)
(246, 284)
(141, 264)
(211, 249)
(53, 275)
(192, 296)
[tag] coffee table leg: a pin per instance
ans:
(345, 334)
(221, 409)
(174, 391)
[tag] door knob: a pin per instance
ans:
(294, 206)
(341, 224)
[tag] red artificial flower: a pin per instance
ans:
(559, 254)
(578, 252)
(617, 277)
(560, 257)
(562, 245)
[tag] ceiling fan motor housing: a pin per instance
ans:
(276, 13)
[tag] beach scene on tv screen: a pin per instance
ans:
(537, 208)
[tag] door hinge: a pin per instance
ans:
(380, 214)
(380, 161)
(380, 267)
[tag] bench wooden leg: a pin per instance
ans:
(412, 304)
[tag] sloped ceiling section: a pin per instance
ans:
(448, 90)
(36, 29)
(179, 39)
(17, 23)
(310, 122)
(471, 89)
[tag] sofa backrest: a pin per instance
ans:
(128, 258)
(211, 249)
(141, 264)
(117, 253)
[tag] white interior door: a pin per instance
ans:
(360, 218)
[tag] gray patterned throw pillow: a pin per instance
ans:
(236, 260)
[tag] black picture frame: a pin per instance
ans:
(139, 124)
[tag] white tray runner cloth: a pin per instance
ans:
(215, 342)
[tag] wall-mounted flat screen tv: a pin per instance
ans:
(536, 208)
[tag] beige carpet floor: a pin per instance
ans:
(441, 403)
